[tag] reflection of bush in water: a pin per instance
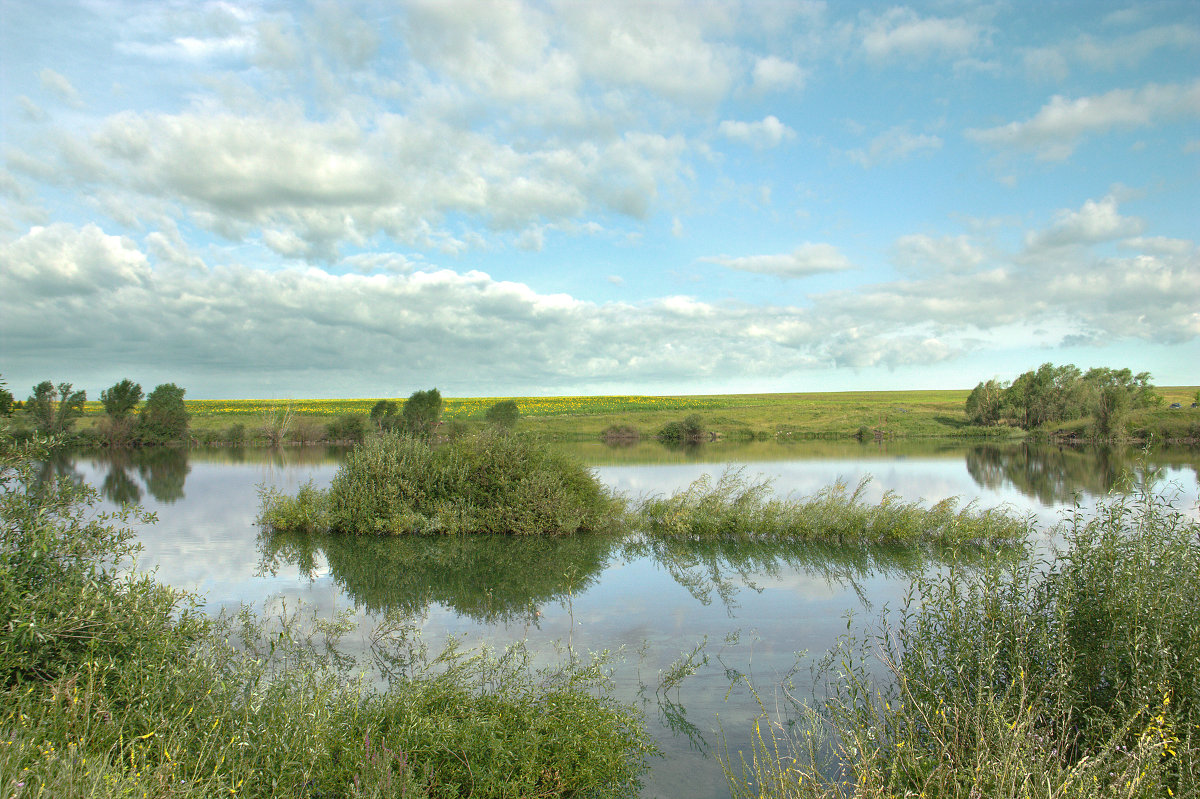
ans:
(1052, 475)
(489, 578)
(722, 566)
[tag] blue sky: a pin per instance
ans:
(277, 199)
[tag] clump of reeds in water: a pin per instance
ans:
(736, 506)
(1073, 677)
(493, 482)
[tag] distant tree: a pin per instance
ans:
(164, 417)
(504, 413)
(6, 399)
(422, 411)
(690, 429)
(120, 400)
(55, 413)
(384, 414)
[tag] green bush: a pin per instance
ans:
(490, 483)
(347, 427)
(690, 429)
(164, 417)
(504, 413)
(1077, 677)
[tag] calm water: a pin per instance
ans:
(755, 609)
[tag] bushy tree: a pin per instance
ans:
(55, 412)
(422, 411)
(384, 415)
(120, 399)
(6, 400)
(504, 413)
(984, 403)
(164, 418)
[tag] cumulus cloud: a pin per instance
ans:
(1055, 131)
(461, 331)
(1111, 53)
(807, 259)
(769, 132)
(1096, 222)
(901, 32)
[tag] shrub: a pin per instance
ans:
(690, 429)
(1077, 677)
(504, 413)
(490, 483)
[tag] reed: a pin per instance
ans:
(1074, 677)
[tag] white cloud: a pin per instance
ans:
(923, 254)
(1056, 129)
(807, 259)
(901, 32)
(1094, 223)
(773, 74)
(60, 87)
(769, 132)
(894, 144)
(61, 260)
(1109, 54)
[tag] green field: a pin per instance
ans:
(810, 414)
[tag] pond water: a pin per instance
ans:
(755, 609)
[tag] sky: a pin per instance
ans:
(340, 199)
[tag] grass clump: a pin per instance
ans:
(1076, 677)
(489, 483)
(113, 685)
(738, 507)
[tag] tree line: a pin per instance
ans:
(1062, 393)
(53, 410)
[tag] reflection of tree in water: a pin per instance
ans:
(487, 578)
(164, 470)
(1050, 474)
(723, 566)
(118, 487)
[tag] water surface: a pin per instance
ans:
(755, 608)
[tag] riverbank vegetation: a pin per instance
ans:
(114, 685)
(493, 482)
(865, 415)
(1077, 676)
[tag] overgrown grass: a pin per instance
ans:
(112, 685)
(738, 507)
(1076, 677)
(492, 482)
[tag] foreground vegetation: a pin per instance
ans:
(1077, 677)
(114, 685)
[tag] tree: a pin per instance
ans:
(384, 415)
(503, 414)
(164, 417)
(983, 405)
(120, 400)
(422, 411)
(55, 413)
(6, 400)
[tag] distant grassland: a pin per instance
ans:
(841, 413)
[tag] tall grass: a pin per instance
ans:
(112, 685)
(1075, 677)
(735, 506)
